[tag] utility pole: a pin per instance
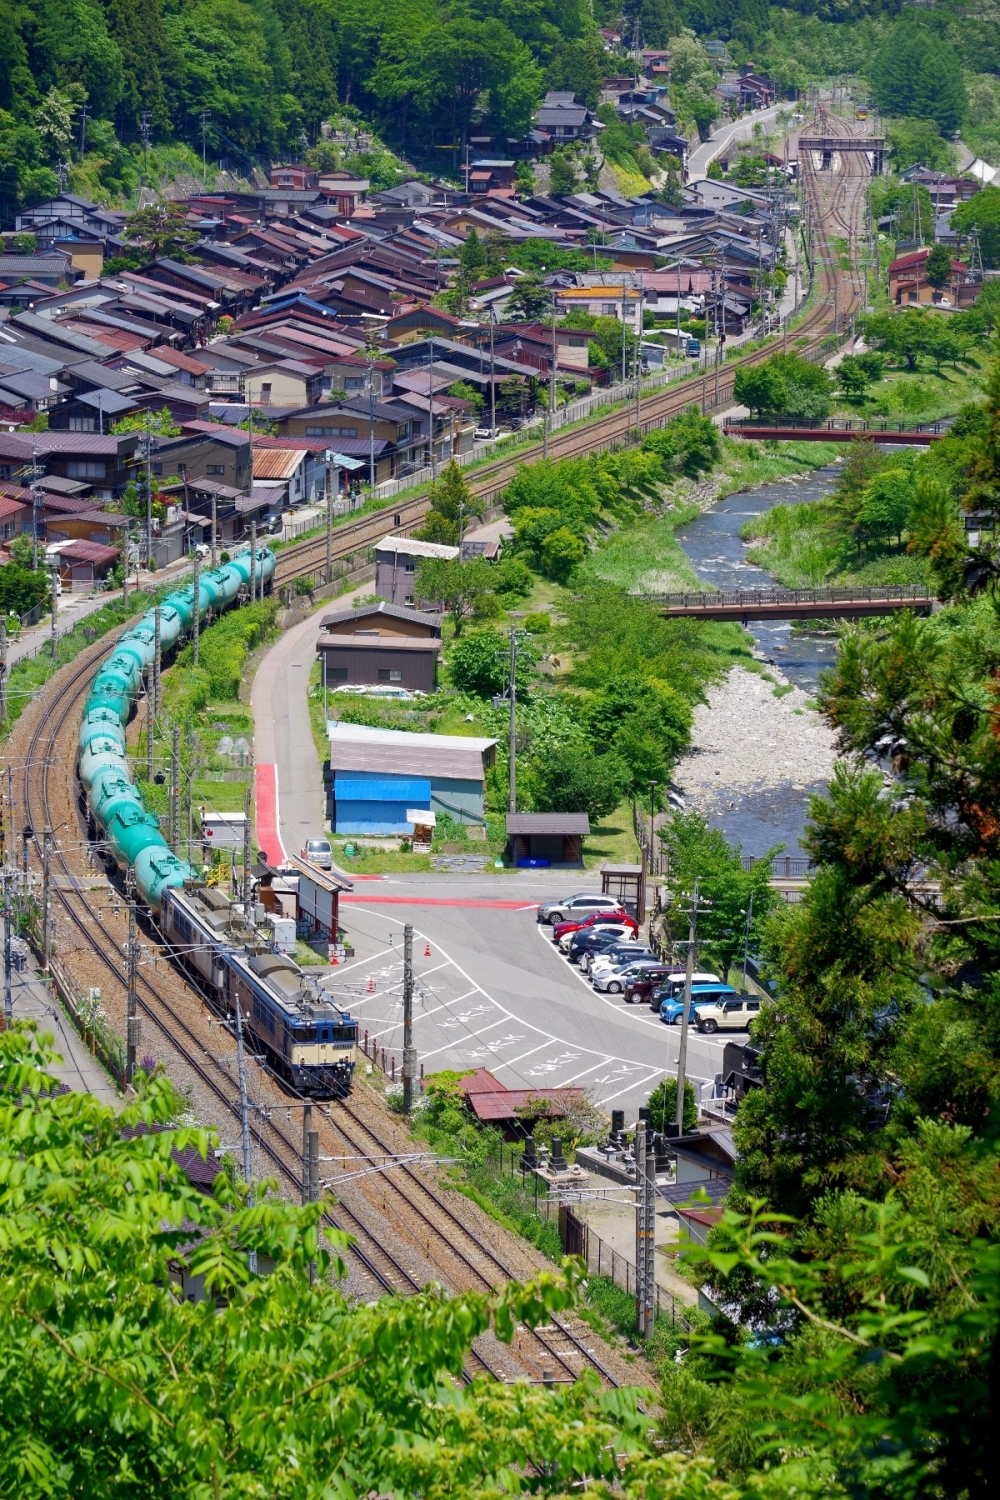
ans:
(645, 1226)
(241, 1065)
(310, 1168)
(149, 492)
(493, 388)
(36, 500)
(552, 376)
(145, 126)
(371, 419)
(329, 524)
(638, 362)
(157, 661)
(746, 944)
(196, 622)
(132, 1021)
(55, 608)
(513, 719)
(84, 112)
(175, 776)
(206, 115)
(688, 972)
(3, 674)
(430, 414)
(409, 1051)
(253, 560)
(215, 522)
(247, 883)
(46, 899)
(8, 999)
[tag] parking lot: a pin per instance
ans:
(493, 992)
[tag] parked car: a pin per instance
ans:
(623, 926)
(486, 432)
(319, 852)
(650, 976)
(728, 1015)
(618, 952)
(615, 981)
(672, 1009)
(565, 930)
(599, 938)
(672, 987)
(583, 905)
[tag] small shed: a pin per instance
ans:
(82, 564)
(515, 1112)
(627, 883)
(543, 839)
(318, 895)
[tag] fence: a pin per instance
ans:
(577, 1236)
(783, 866)
(860, 425)
(85, 1012)
(657, 859)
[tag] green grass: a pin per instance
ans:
(613, 841)
(804, 547)
(925, 394)
(646, 557)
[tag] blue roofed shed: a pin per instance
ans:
(372, 803)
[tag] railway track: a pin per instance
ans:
(489, 482)
(403, 1232)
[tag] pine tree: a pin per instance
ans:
(452, 506)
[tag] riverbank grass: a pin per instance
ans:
(922, 395)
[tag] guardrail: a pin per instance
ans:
(784, 866)
(860, 425)
(734, 598)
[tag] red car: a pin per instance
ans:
(596, 919)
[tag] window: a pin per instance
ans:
(158, 469)
(610, 309)
(216, 469)
(369, 632)
(265, 391)
(411, 567)
(78, 468)
(81, 424)
(389, 674)
(408, 598)
(336, 674)
(577, 343)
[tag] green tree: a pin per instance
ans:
(662, 1106)
(109, 1371)
(562, 172)
(688, 444)
(982, 212)
(452, 504)
(473, 256)
(885, 509)
(902, 335)
(700, 853)
(162, 231)
(465, 589)
(917, 73)
(570, 779)
(760, 388)
(21, 588)
(937, 266)
(561, 552)
(480, 663)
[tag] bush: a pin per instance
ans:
(480, 663)
(663, 1106)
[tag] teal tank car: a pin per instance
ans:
(110, 791)
(132, 833)
(131, 829)
(158, 869)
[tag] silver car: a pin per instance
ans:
(581, 906)
(614, 981)
(319, 852)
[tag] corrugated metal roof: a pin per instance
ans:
(553, 823)
(378, 643)
(391, 611)
(407, 759)
(277, 463)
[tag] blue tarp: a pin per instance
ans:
(411, 791)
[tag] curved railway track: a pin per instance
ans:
(489, 482)
(427, 1239)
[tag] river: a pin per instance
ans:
(756, 758)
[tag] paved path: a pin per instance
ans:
(740, 130)
(33, 1000)
(283, 734)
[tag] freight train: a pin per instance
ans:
(306, 1038)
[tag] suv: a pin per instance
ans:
(582, 906)
(673, 988)
(672, 1007)
(615, 981)
(319, 853)
(728, 1015)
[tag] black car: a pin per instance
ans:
(590, 941)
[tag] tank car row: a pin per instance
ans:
(306, 1038)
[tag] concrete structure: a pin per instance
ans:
(396, 559)
(403, 772)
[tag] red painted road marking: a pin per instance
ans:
(368, 900)
(268, 836)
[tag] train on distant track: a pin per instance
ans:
(306, 1038)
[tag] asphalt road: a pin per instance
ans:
(493, 992)
(741, 130)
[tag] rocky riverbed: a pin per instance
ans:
(755, 757)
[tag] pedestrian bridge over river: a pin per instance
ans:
(743, 605)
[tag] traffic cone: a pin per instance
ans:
(427, 949)
(371, 984)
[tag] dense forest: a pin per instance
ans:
(253, 80)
